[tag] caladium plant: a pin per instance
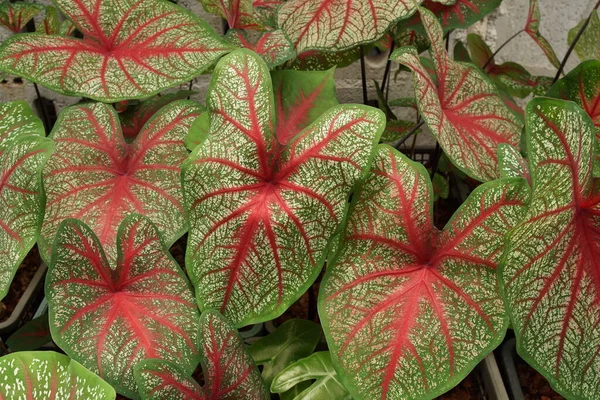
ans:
(15, 15)
(116, 59)
(550, 273)
(408, 311)
(262, 203)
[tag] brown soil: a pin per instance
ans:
(533, 384)
(469, 389)
(22, 278)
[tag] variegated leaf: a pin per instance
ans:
(588, 46)
(110, 318)
(47, 375)
(50, 24)
(131, 50)
(314, 60)
(407, 310)
(229, 372)
(97, 177)
(17, 120)
(15, 15)
(512, 164)
(460, 14)
(532, 27)
(262, 210)
(551, 271)
(273, 46)
(335, 25)
(462, 109)
(239, 14)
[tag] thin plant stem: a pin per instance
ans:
(409, 134)
(388, 66)
(575, 40)
(436, 159)
(42, 107)
(363, 75)
(500, 48)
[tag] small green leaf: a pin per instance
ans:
(273, 46)
(532, 27)
(31, 336)
(588, 46)
(50, 25)
(15, 15)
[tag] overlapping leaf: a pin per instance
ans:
(229, 372)
(407, 310)
(582, 85)
(110, 318)
(551, 272)
(273, 46)
(15, 16)
(314, 60)
(239, 14)
(335, 25)
(462, 109)
(532, 27)
(95, 176)
(50, 24)
(460, 14)
(262, 204)
(131, 50)
(512, 164)
(23, 152)
(50, 376)
(588, 46)
(31, 336)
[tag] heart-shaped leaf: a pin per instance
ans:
(262, 211)
(50, 24)
(97, 177)
(588, 45)
(293, 340)
(229, 372)
(111, 318)
(21, 200)
(239, 14)
(17, 120)
(131, 50)
(551, 271)
(15, 15)
(31, 336)
(335, 25)
(460, 14)
(317, 367)
(49, 375)
(274, 46)
(582, 85)
(462, 109)
(532, 27)
(409, 311)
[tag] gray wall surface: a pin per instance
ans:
(557, 17)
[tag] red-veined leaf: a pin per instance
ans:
(266, 11)
(47, 375)
(582, 85)
(462, 109)
(588, 46)
(15, 16)
(111, 318)
(273, 46)
(239, 14)
(21, 201)
(441, 187)
(512, 164)
(262, 213)
(97, 177)
(334, 25)
(407, 310)
(551, 271)
(134, 118)
(50, 25)
(17, 120)
(31, 336)
(396, 130)
(532, 27)
(314, 60)
(229, 372)
(131, 50)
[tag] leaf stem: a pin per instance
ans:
(388, 66)
(575, 40)
(363, 75)
(436, 159)
(500, 48)
(409, 134)
(40, 100)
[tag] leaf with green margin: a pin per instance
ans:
(463, 109)
(134, 118)
(293, 340)
(31, 336)
(588, 46)
(461, 53)
(21, 199)
(229, 372)
(550, 273)
(532, 28)
(198, 131)
(512, 164)
(17, 120)
(404, 102)
(314, 60)
(396, 130)
(582, 85)
(128, 51)
(409, 311)
(317, 367)
(336, 25)
(273, 46)
(239, 14)
(441, 187)
(295, 391)
(15, 15)
(262, 213)
(97, 177)
(50, 24)
(110, 318)
(49, 375)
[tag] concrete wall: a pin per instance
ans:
(557, 17)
